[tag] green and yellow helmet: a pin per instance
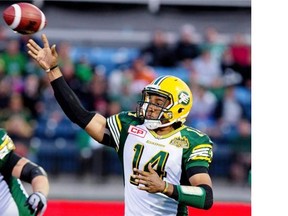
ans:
(6, 145)
(180, 98)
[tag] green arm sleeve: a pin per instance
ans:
(200, 196)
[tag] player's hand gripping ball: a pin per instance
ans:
(24, 18)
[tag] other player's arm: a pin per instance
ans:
(47, 58)
(31, 173)
(27, 171)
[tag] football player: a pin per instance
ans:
(165, 162)
(13, 168)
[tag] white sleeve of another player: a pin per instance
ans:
(11, 208)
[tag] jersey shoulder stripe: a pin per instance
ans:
(200, 148)
(120, 123)
(115, 127)
(196, 137)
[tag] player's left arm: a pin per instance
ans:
(198, 194)
(34, 174)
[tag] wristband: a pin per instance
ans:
(200, 196)
(166, 187)
(52, 68)
(191, 195)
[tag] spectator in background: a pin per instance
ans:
(14, 60)
(243, 84)
(212, 41)
(159, 52)
(126, 86)
(32, 68)
(31, 94)
(78, 74)
(119, 89)
(2, 69)
(206, 71)
(91, 156)
(65, 61)
(5, 92)
(18, 121)
(141, 75)
(97, 99)
(230, 74)
(227, 62)
(186, 48)
(116, 80)
(241, 53)
(47, 105)
(51, 122)
(201, 116)
(243, 95)
(14, 64)
(228, 113)
(83, 69)
(68, 68)
(241, 153)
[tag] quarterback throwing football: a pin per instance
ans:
(165, 162)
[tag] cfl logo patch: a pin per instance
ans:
(184, 98)
(137, 131)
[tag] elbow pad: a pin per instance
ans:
(30, 171)
(70, 103)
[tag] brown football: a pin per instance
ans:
(24, 18)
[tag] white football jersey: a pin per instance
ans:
(170, 155)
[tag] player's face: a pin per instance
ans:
(155, 106)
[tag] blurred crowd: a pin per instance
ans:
(217, 70)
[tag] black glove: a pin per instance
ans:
(37, 203)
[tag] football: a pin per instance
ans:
(24, 18)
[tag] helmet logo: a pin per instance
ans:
(184, 98)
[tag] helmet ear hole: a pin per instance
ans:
(180, 110)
